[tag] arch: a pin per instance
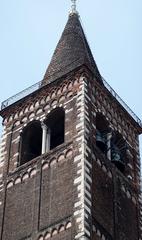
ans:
(61, 228)
(10, 118)
(61, 99)
(45, 165)
(68, 225)
(16, 115)
(25, 176)
(64, 88)
(33, 172)
(18, 180)
(16, 123)
(69, 86)
(21, 113)
(58, 91)
(53, 94)
(54, 232)
(39, 110)
(31, 142)
(40, 237)
(47, 235)
(52, 161)
(69, 153)
(10, 184)
(24, 119)
(47, 98)
(55, 122)
(53, 103)
(69, 94)
(61, 157)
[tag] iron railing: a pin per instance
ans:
(38, 85)
(119, 99)
(21, 95)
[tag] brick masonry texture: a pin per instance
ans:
(56, 197)
(71, 52)
(40, 194)
(103, 198)
(72, 183)
(19, 209)
(73, 191)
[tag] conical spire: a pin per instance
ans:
(71, 52)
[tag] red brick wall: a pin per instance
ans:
(40, 195)
(102, 198)
(50, 188)
(127, 215)
(56, 193)
(19, 211)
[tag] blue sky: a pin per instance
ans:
(30, 30)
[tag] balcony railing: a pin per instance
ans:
(20, 95)
(38, 85)
(119, 99)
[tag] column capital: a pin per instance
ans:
(109, 135)
(44, 126)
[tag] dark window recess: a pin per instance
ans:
(56, 124)
(31, 142)
(101, 132)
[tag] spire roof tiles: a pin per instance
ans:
(72, 51)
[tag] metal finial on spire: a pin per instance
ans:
(73, 7)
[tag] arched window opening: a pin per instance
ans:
(102, 130)
(56, 128)
(118, 151)
(31, 142)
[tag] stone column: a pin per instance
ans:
(44, 135)
(109, 136)
(48, 137)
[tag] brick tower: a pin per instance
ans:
(69, 164)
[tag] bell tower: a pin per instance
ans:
(69, 157)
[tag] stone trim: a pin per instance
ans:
(82, 206)
(3, 152)
(55, 96)
(54, 230)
